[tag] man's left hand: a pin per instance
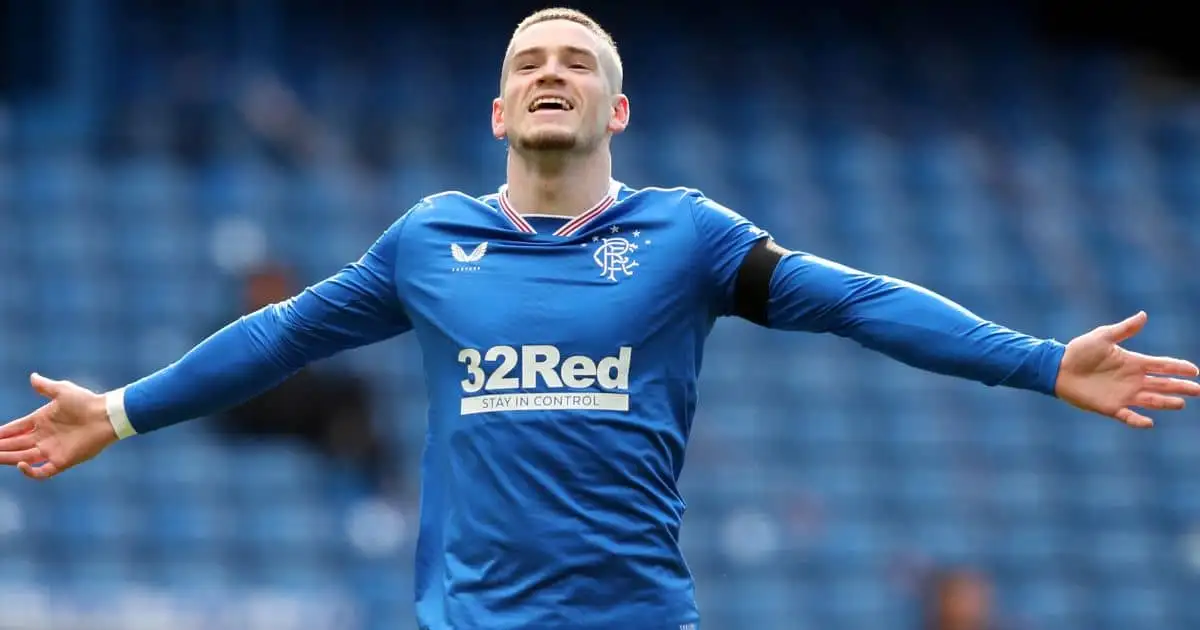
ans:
(1098, 375)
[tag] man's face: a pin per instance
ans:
(555, 94)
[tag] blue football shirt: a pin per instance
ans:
(562, 358)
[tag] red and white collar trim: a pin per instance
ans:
(570, 227)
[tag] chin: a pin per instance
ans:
(547, 140)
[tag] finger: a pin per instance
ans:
(1167, 365)
(17, 427)
(21, 442)
(16, 457)
(1123, 330)
(1150, 400)
(1178, 386)
(35, 461)
(1134, 419)
(45, 471)
(44, 386)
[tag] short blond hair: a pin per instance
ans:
(611, 61)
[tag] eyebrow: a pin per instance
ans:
(575, 50)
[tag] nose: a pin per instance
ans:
(552, 72)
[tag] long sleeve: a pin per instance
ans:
(907, 323)
(355, 307)
(901, 320)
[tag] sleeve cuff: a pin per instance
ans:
(1050, 364)
(114, 403)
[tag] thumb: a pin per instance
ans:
(1122, 331)
(44, 386)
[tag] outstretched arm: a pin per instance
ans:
(357, 306)
(754, 278)
(911, 324)
(925, 330)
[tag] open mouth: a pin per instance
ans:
(551, 103)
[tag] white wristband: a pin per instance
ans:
(114, 402)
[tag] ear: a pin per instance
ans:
(498, 129)
(620, 114)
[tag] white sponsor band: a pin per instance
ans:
(590, 401)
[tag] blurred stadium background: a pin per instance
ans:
(1038, 162)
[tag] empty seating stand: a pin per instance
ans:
(1027, 190)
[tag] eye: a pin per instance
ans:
(527, 66)
(579, 66)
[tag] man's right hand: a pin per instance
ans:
(69, 430)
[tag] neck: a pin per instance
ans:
(567, 187)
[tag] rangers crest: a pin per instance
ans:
(613, 257)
